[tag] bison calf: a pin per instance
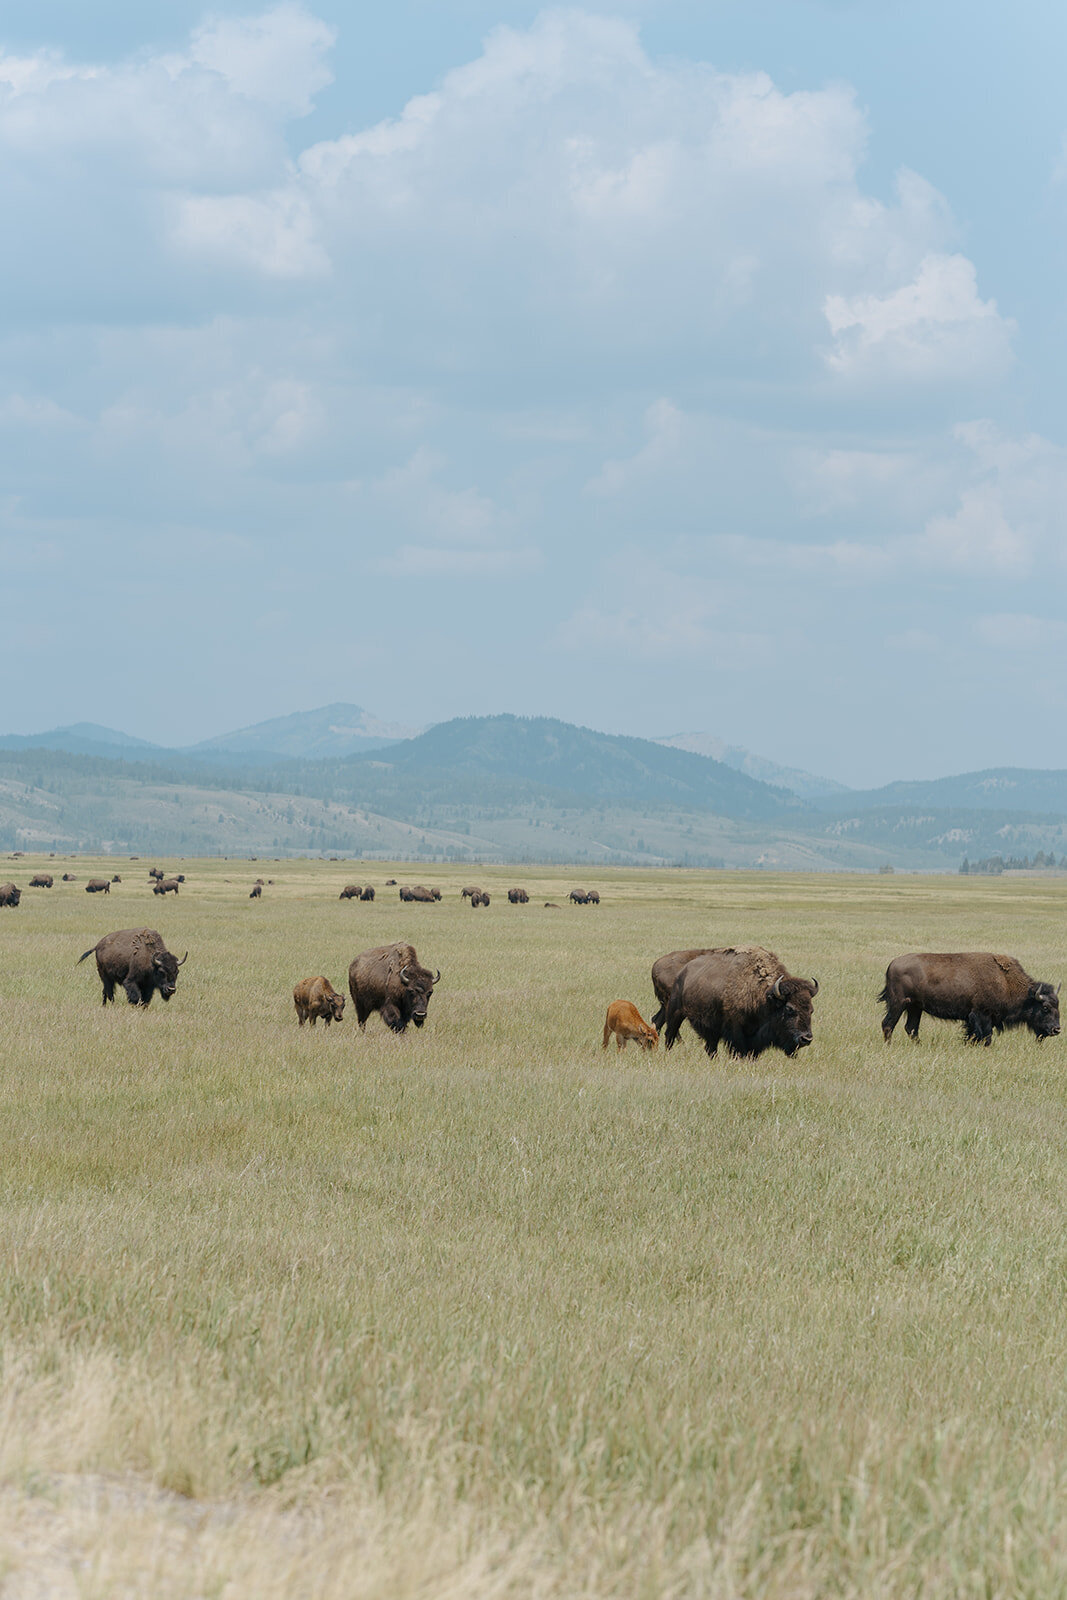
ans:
(981, 990)
(626, 1023)
(316, 997)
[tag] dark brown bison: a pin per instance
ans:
(179, 877)
(406, 892)
(260, 881)
(518, 897)
(317, 997)
(743, 998)
(578, 897)
(390, 883)
(137, 959)
(68, 877)
(98, 886)
(41, 880)
(466, 893)
(479, 898)
(156, 872)
(980, 990)
(664, 975)
(626, 1022)
(593, 897)
(368, 892)
(257, 890)
(389, 979)
(165, 886)
(436, 893)
(9, 894)
(116, 879)
(351, 891)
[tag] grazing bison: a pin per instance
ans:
(9, 895)
(389, 979)
(137, 959)
(368, 892)
(41, 880)
(743, 998)
(406, 893)
(165, 886)
(156, 872)
(98, 886)
(626, 1022)
(68, 877)
(317, 997)
(116, 879)
(257, 890)
(479, 898)
(664, 974)
(578, 897)
(469, 890)
(980, 990)
(593, 897)
(436, 893)
(423, 895)
(390, 883)
(518, 897)
(351, 891)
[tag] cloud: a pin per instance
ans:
(936, 326)
(277, 57)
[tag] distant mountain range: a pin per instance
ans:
(505, 787)
(805, 784)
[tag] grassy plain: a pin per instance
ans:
(480, 1311)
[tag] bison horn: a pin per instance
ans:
(814, 987)
(776, 987)
(184, 959)
(405, 980)
(438, 977)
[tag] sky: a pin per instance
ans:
(656, 365)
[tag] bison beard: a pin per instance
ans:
(743, 998)
(979, 989)
(390, 980)
(137, 959)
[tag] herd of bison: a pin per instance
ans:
(741, 997)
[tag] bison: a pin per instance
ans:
(578, 897)
(981, 990)
(466, 893)
(68, 877)
(257, 890)
(626, 1022)
(743, 998)
(390, 883)
(98, 886)
(116, 878)
(664, 974)
(479, 898)
(137, 959)
(390, 980)
(9, 894)
(593, 897)
(41, 880)
(518, 897)
(317, 997)
(156, 872)
(368, 892)
(165, 886)
(351, 891)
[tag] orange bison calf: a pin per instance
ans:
(317, 997)
(626, 1023)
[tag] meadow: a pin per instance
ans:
(482, 1311)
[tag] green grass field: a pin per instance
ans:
(481, 1311)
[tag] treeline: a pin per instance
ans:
(993, 866)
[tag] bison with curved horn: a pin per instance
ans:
(390, 980)
(744, 998)
(138, 960)
(981, 990)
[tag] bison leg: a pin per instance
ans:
(620, 1042)
(660, 1018)
(133, 992)
(912, 1020)
(979, 1028)
(109, 991)
(893, 1010)
(362, 1013)
(393, 1017)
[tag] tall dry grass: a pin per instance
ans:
(482, 1310)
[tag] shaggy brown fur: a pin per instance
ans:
(390, 980)
(979, 989)
(317, 997)
(743, 997)
(664, 976)
(137, 959)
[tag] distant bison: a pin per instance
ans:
(466, 893)
(98, 886)
(744, 998)
(479, 898)
(664, 973)
(626, 1022)
(518, 897)
(981, 990)
(166, 886)
(316, 997)
(390, 883)
(9, 894)
(41, 880)
(257, 890)
(137, 959)
(156, 872)
(593, 897)
(116, 879)
(578, 897)
(68, 877)
(368, 892)
(419, 893)
(390, 980)
(351, 891)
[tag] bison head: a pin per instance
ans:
(791, 1000)
(165, 971)
(337, 1006)
(1041, 1010)
(418, 987)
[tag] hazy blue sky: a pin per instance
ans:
(660, 366)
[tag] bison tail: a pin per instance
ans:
(883, 997)
(86, 956)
